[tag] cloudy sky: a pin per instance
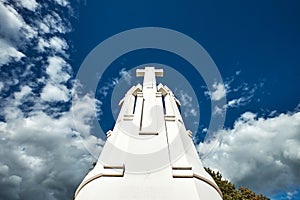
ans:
(255, 46)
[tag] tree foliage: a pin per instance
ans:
(230, 192)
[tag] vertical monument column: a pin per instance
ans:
(148, 154)
(150, 117)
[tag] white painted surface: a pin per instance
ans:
(149, 154)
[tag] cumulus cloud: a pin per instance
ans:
(58, 69)
(259, 153)
(29, 4)
(13, 30)
(8, 52)
(11, 22)
(1, 85)
(42, 155)
(13, 27)
(18, 96)
(218, 93)
(53, 23)
(55, 93)
(10, 183)
(59, 45)
(17, 34)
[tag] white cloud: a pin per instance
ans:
(1, 86)
(13, 27)
(43, 27)
(247, 117)
(57, 44)
(41, 155)
(55, 24)
(263, 154)
(238, 72)
(108, 86)
(29, 4)
(8, 53)
(55, 93)
(39, 151)
(58, 69)
(290, 195)
(62, 2)
(14, 32)
(3, 169)
(126, 76)
(188, 109)
(218, 111)
(193, 112)
(218, 93)
(273, 113)
(25, 90)
(245, 91)
(184, 98)
(236, 102)
(42, 45)
(9, 183)
(11, 22)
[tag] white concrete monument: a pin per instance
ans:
(149, 154)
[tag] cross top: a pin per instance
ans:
(149, 74)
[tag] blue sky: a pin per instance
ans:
(255, 46)
(259, 40)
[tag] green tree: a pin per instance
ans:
(230, 192)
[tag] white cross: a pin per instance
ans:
(149, 74)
